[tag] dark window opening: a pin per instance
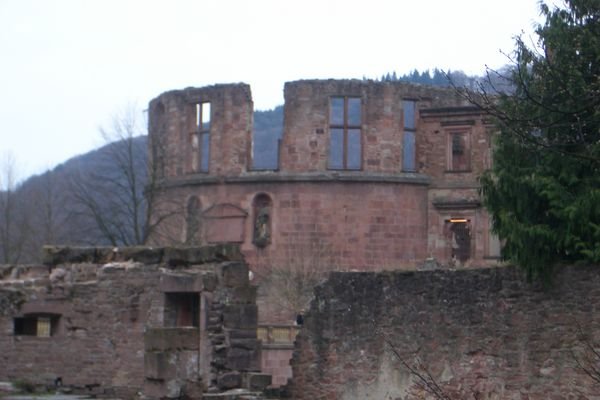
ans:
(345, 140)
(408, 139)
(266, 139)
(36, 325)
(262, 220)
(461, 239)
(182, 309)
(459, 157)
(201, 138)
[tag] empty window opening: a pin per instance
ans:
(201, 138)
(460, 233)
(36, 325)
(266, 139)
(158, 130)
(262, 206)
(182, 309)
(345, 123)
(459, 152)
(193, 221)
(408, 138)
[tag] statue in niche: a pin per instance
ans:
(262, 234)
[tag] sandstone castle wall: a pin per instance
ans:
(157, 322)
(479, 334)
(385, 201)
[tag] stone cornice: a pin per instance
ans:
(306, 177)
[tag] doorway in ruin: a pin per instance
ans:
(182, 310)
(460, 231)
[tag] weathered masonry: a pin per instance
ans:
(162, 322)
(368, 174)
(175, 323)
(477, 334)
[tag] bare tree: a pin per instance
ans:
(116, 197)
(412, 363)
(586, 355)
(14, 222)
(290, 284)
(44, 198)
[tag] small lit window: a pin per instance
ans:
(459, 157)
(43, 327)
(36, 325)
(201, 138)
(408, 139)
(345, 123)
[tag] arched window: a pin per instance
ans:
(192, 221)
(262, 220)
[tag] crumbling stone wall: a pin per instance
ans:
(110, 332)
(172, 123)
(480, 334)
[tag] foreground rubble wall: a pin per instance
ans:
(478, 334)
(162, 322)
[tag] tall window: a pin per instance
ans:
(262, 220)
(345, 120)
(408, 139)
(201, 138)
(459, 151)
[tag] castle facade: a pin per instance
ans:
(367, 174)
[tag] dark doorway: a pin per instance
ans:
(182, 309)
(461, 239)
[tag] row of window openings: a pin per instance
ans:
(345, 146)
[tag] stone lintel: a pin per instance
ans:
(167, 339)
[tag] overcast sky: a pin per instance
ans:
(67, 66)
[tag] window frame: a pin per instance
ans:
(40, 325)
(450, 150)
(412, 130)
(346, 127)
(199, 133)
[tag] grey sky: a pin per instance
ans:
(66, 66)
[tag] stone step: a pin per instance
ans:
(235, 394)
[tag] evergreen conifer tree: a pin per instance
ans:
(543, 191)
